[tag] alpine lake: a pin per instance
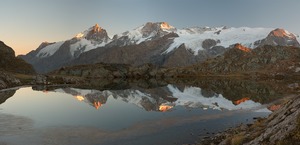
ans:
(132, 114)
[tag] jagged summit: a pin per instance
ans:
(98, 34)
(95, 33)
(165, 25)
(97, 28)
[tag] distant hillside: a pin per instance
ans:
(10, 63)
(263, 62)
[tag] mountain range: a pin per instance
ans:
(154, 42)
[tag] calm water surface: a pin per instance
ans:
(164, 115)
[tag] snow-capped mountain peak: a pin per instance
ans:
(280, 37)
(93, 29)
(95, 33)
(282, 33)
(87, 40)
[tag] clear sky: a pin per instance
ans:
(27, 23)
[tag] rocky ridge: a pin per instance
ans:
(268, 61)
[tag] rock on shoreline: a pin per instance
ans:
(7, 81)
(282, 127)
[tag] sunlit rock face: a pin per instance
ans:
(96, 33)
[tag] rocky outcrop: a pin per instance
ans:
(7, 80)
(281, 125)
(209, 43)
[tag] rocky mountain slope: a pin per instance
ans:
(263, 62)
(267, 60)
(10, 64)
(157, 43)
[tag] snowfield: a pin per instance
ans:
(84, 45)
(193, 38)
(50, 49)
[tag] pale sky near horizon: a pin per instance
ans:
(27, 23)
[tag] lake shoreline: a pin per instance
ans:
(269, 130)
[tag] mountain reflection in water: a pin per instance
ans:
(134, 115)
(151, 99)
